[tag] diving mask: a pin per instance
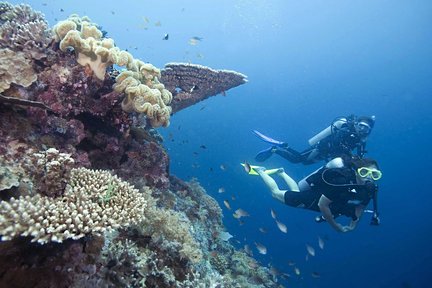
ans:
(364, 172)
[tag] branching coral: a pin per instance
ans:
(52, 171)
(84, 208)
(144, 92)
(16, 69)
(23, 29)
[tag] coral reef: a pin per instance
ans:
(191, 83)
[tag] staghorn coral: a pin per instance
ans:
(94, 201)
(191, 83)
(23, 29)
(144, 93)
(15, 68)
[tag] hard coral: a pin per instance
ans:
(94, 201)
(15, 68)
(23, 29)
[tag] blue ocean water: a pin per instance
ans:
(307, 62)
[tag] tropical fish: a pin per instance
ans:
(227, 205)
(222, 167)
(315, 275)
(165, 37)
(248, 250)
(221, 190)
(241, 213)
(297, 271)
(225, 236)
(158, 24)
(261, 248)
(310, 250)
(320, 243)
(203, 147)
(247, 167)
(282, 227)
(291, 263)
(195, 40)
(273, 214)
(262, 230)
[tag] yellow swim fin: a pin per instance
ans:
(252, 170)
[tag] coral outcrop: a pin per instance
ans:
(15, 68)
(144, 93)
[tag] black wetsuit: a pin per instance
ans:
(341, 142)
(337, 184)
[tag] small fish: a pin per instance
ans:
(321, 243)
(146, 19)
(297, 271)
(194, 87)
(227, 205)
(195, 153)
(233, 197)
(315, 275)
(236, 216)
(194, 40)
(248, 250)
(199, 55)
(221, 190)
(261, 248)
(112, 12)
(44, 4)
(222, 167)
(310, 250)
(203, 147)
(262, 230)
(61, 10)
(247, 167)
(165, 37)
(273, 271)
(223, 93)
(242, 213)
(178, 128)
(291, 263)
(211, 169)
(158, 24)
(273, 214)
(225, 236)
(253, 264)
(202, 108)
(282, 227)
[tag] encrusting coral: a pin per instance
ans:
(144, 93)
(94, 201)
(15, 68)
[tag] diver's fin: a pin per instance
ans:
(252, 169)
(268, 139)
(264, 154)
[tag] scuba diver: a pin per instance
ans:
(341, 138)
(342, 187)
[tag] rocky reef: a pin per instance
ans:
(87, 199)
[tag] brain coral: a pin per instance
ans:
(94, 201)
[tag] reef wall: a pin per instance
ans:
(87, 199)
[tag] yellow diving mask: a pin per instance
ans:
(365, 172)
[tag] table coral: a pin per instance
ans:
(191, 83)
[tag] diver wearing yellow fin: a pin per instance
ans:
(341, 187)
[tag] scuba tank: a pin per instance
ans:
(336, 124)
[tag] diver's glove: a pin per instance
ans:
(375, 219)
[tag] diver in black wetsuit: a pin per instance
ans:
(341, 187)
(341, 138)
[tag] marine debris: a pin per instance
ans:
(86, 197)
(191, 83)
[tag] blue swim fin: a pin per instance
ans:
(268, 139)
(264, 154)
